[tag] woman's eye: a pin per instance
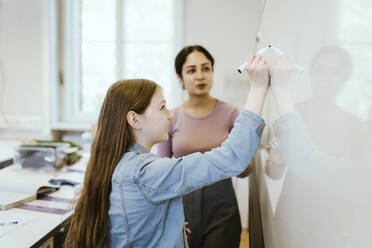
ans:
(191, 71)
(206, 69)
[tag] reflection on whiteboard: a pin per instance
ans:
(274, 176)
(328, 123)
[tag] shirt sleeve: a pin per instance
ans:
(160, 179)
(305, 161)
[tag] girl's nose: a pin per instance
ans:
(170, 115)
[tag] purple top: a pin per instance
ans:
(188, 134)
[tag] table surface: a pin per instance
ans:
(43, 225)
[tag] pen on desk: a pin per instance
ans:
(8, 223)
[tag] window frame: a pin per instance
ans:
(66, 95)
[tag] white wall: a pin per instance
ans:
(24, 56)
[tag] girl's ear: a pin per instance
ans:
(132, 119)
(181, 82)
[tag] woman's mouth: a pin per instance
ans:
(201, 86)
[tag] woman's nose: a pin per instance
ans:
(199, 74)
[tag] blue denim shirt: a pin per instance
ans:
(145, 201)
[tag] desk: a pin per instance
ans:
(36, 232)
(44, 225)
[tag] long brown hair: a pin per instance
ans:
(90, 222)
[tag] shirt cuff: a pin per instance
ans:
(254, 120)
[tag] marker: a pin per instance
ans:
(8, 223)
(276, 51)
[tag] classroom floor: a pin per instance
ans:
(244, 240)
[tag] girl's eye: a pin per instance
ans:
(206, 69)
(191, 71)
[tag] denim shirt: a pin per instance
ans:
(145, 201)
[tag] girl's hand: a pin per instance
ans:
(258, 71)
(281, 73)
(188, 231)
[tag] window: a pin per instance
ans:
(102, 41)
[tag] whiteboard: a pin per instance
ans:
(315, 172)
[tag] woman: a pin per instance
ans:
(199, 125)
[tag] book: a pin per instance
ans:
(20, 186)
(9, 200)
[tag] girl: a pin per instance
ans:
(131, 197)
(199, 125)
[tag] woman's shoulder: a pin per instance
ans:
(227, 108)
(177, 112)
(177, 109)
(127, 166)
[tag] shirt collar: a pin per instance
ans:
(137, 148)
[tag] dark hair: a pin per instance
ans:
(90, 221)
(182, 55)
